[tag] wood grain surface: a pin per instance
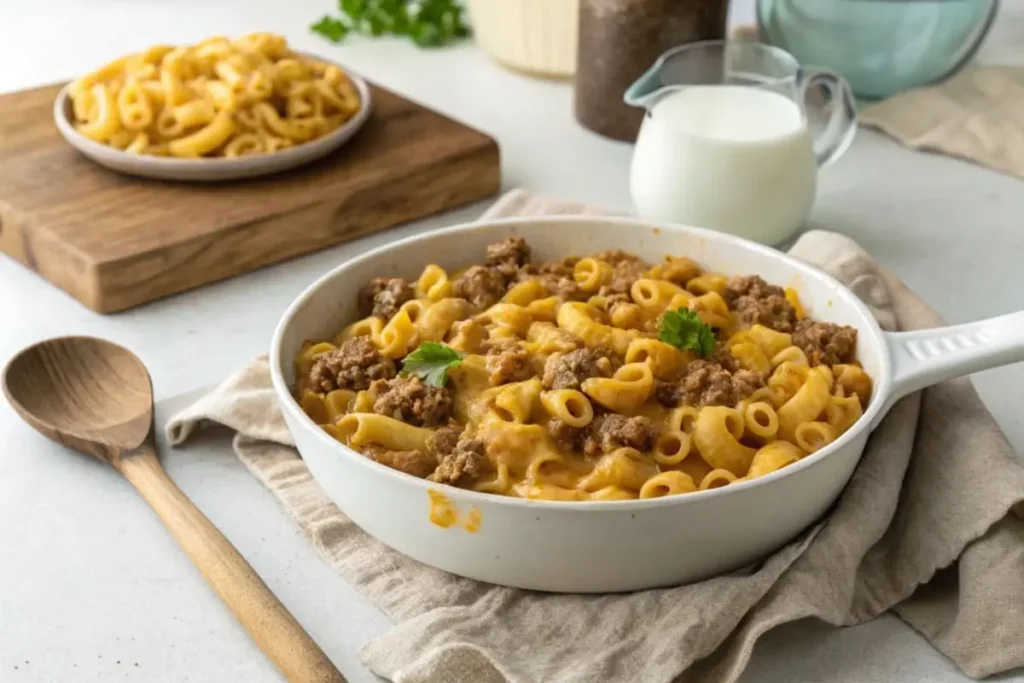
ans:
(256, 608)
(96, 397)
(113, 241)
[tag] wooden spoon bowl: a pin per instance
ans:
(97, 397)
(86, 393)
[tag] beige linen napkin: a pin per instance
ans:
(926, 527)
(977, 115)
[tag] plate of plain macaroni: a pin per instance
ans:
(600, 377)
(217, 110)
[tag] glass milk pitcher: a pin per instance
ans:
(733, 138)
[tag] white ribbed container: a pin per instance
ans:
(534, 36)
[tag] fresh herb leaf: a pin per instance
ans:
(372, 24)
(330, 28)
(683, 329)
(431, 362)
(428, 23)
(353, 8)
(425, 35)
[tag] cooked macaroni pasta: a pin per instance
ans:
(218, 98)
(558, 381)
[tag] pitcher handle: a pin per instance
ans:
(925, 357)
(842, 122)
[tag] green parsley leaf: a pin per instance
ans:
(683, 329)
(431, 362)
(428, 23)
(425, 35)
(353, 8)
(330, 28)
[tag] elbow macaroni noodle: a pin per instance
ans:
(797, 409)
(218, 98)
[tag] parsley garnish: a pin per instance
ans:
(431, 362)
(428, 23)
(331, 28)
(683, 329)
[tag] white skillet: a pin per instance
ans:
(613, 545)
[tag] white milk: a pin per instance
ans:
(728, 157)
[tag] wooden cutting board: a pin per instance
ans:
(113, 241)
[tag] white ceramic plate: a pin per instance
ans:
(605, 546)
(213, 169)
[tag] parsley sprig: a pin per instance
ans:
(428, 23)
(683, 329)
(431, 362)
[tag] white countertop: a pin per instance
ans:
(92, 589)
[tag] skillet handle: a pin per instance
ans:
(925, 357)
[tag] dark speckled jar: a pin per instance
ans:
(619, 40)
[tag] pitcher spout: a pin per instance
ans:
(647, 89)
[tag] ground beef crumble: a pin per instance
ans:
(416, 463)
(825, 343)
(408, 399)
(759, 303)
(383, 296)
(606, 433)
(567, 437)
(508, 363)
(445, 439)
(613, 431)
(568, 370)
(707, 382)
(746, 382)
(505, 263)
(724, 358)
(748, 285)
(353, 365)
(514, 249)
(481, 286)
(614, 257)
(467, 462)
(627, 270)
(556, 276)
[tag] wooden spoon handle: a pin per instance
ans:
(269, 623)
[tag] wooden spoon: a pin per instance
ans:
(96, 397)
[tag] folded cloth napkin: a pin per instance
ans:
(977, 115)
(930, 526)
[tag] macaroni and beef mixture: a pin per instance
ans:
(594, 378)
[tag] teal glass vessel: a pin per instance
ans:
(880, 46)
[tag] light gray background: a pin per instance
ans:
(93, 589)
